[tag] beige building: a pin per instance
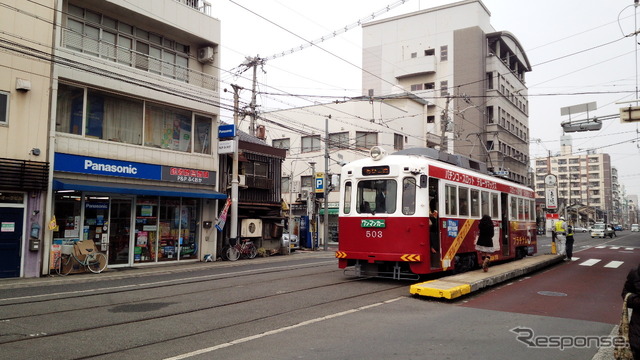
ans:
(130, 136)
(25, 78)
(585, 184)
(472, 76)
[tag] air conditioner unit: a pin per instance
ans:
(251, 228)
(206, 54)
(304, 194)
(242, 180)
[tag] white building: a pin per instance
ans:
(472, 75)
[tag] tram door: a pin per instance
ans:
(505, 223)
(434, 226)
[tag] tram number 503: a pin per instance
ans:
(373, 234)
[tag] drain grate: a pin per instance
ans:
(551, 293)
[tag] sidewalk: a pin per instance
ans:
(160, 268)
(454, 286)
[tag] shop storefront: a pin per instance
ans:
(147, 221)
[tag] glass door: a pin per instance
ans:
(96, 221)
(146, 239)
(120, 231)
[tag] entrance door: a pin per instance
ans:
(120, 231)
(11, 223)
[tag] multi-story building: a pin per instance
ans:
(585, 184)
(130, 138)
(472, 75)
(25, 38)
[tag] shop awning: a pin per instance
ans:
(134, 189)
(332, 211)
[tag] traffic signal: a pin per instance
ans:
(584, 125)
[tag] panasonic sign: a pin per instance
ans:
(117, 169)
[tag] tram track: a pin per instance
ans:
(83, 329)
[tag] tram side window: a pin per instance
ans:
(532, 209)
(526, 210)
(463, 201)
(450, 200)
(347, 198)
(495, 206)
(513, 213)
(484, 200)
(475, 203)
(520, 209)
(409, 196)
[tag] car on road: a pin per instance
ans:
(579, 229)
(617, 228)
(294, 243)
(601, 230)
(635, 227)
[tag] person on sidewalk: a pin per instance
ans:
(484, 244)
(561, 231)
(569, 245)
(632, 285)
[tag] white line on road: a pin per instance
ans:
(277, 331)
(590, 262)
(614, 264)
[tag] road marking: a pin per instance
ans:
(600, 247)
(628, 248)
(614, 264)
(279, 330)
(615, 247)
(590, 262)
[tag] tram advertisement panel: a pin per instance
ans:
(486, 183)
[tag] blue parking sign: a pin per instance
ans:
(319, 182)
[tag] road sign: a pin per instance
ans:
(319, 188)
(630, 114)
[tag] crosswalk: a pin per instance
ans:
(614, 264)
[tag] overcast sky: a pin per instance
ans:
(577, 49)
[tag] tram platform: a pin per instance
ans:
(455, 286)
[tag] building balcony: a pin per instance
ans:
(200, 5)
(415, 66)
(130, 58)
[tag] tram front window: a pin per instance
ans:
(377, 196)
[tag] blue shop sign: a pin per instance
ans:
(108, 167)
(226, 131)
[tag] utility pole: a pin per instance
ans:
(234, 169)
(443, 124)
(325, 229)
(311, 203)
(253, 63)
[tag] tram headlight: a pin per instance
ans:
(377, 153)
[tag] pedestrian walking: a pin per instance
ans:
(561, 231)
(484, 243)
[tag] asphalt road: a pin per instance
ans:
(302, 307)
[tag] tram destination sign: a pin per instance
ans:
(375, 223)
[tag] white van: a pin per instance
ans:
(635, 227)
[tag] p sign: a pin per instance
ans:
(319, 182)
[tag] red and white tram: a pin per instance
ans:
(386, 200)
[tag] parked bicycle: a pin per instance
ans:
(73, 258)
(244, 248)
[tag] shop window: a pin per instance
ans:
(188, 241)
(167, 128)
(67, 211)
(202, 140)
(69, 109)
(178, 230)
(113, 118)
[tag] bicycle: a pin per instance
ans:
(95, 261)
(244, 248)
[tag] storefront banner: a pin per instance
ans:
(130, 169)
(223, 215)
